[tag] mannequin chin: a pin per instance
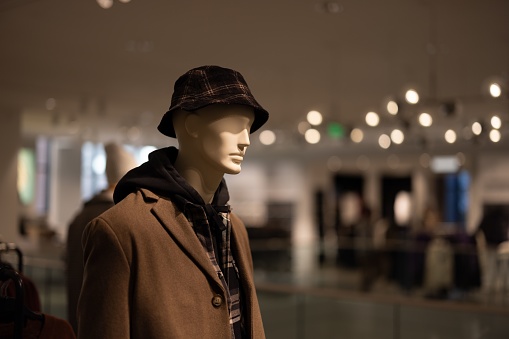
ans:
(212, 142)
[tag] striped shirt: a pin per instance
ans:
(215, 236)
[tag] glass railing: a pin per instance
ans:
(301, 313)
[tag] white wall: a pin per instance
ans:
(65, 184)
(490, 184)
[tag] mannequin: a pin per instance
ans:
(170, 259)
(403, 209)
(118, 162)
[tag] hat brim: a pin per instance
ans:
(166, 124)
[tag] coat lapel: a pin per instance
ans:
(177, 225)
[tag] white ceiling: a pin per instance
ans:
(112, 69)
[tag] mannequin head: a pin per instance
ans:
(403, 208)
(216, 136)
(350, 206)
(212, 113)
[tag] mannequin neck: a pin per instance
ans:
(204, 180)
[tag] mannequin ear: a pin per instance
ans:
(192, 124)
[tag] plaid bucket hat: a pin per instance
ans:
(206, 85)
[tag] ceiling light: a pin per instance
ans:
(476, 128)
(495, 90)
(495, 135)
(397, 136)
(450, 136)
(357, 135)
(314, 118)
(384, 141)
(312, 136)
(105, 3)
(425, 119)
(496, 123)
(392, 107)
(267, 137)
(411, 96)
(372, 119)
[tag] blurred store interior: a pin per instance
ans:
(386, 149)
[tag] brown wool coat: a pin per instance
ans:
(148, 276)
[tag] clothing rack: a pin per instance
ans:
(6, 247)
(12, 309)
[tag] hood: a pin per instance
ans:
(159, 176)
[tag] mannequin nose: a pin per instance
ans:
(243, 140)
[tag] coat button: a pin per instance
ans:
(217, 300)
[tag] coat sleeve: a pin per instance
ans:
(103, 307)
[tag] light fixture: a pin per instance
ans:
(109, 3)
(267, 137)
(477, 128)
(357, 135)
(392, 107)
(495, 135)
(411, 96)
(495, 90)
(314, 118)
(397, 136)
(384, 141)
(372, 119)
(450, 136)
(105, 3)
(425, 119)
(496, 123)
(312, 136)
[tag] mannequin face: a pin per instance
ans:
(221, 133)
(403, 208)
(350, 209)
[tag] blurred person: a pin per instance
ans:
(118, 162)
(170, 259)
(399, 238)
(350, 208)
(368, 258)
(494, 226)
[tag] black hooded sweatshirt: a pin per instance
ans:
(159, 176)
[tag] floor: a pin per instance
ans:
(324, 301)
